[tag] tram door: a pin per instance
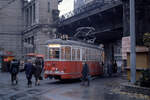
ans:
(79, 64)
(76, 59)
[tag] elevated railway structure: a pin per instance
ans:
(107, 20)
(110, 21)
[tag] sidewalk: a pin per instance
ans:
(128, 87)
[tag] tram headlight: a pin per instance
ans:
(62, 71)
(56, 69)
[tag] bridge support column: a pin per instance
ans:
(109, 56)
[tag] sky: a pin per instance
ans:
(66, 6)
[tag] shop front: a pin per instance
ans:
(5, 59)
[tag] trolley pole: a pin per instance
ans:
(133, 42)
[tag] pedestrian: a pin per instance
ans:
(8, 66)
(37, 71)
(29, 71)
(85, 74)
(42, 61)
(14, 70)
(115, 67)
(109, 68)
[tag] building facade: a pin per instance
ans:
(26, 25)
(78, 3)
(11, 27)
(39, 19)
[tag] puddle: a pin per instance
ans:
(18, 96)
(33, 91)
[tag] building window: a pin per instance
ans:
(27, 16)
(26, 40)
(33, 13)
(48, 6)
(32, 40)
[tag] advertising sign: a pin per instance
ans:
(125, 47)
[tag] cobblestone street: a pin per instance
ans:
(101, 89)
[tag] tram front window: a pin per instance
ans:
(54, 53)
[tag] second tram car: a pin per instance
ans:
(64, 59)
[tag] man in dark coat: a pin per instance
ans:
(14, 69)
(85, 73)
(110, 68)
(29, 71)
(115, 67)
(37, 71)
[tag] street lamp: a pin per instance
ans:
(133, 42)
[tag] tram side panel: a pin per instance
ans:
(95, 68)
(63, 69)
(70, 69)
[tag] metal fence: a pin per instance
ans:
(87, 7)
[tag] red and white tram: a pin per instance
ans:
(64, 59)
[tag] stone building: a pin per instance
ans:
(11, 26)
(39, 19)
(78, 3)
(26, 25)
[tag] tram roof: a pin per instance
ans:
(71, 42)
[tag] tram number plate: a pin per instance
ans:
(56, 72)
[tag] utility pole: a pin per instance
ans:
(133, 42)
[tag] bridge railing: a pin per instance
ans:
(87, 7)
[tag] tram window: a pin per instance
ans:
(83, 54)
(87, 54)
(68, 53)
(73, 54)
(54, 53)
(90, 54)
(78, 54)
(99, 57)
(95, 55)
(63, 53)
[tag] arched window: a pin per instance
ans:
(83, 54)
(73, 54)
(62, 53)
(78, 54)
(68, 53)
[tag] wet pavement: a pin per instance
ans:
(101, 88)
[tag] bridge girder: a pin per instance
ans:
(105, 21)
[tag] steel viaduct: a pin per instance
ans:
(110, 21)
